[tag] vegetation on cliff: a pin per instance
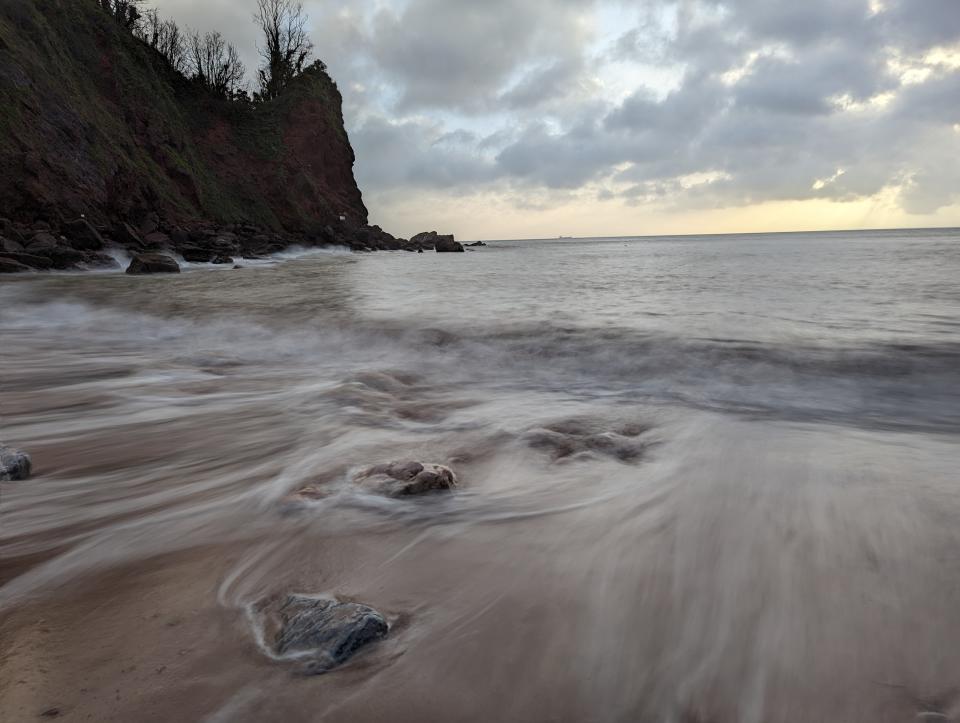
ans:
(113, 116)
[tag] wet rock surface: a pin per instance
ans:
(325, 633)
(14, 464)
(406, 478)
(153, 264)
(585, 439)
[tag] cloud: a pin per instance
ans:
(686, 104)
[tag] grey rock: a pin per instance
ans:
(14, 464)
(326, 632)
(153, 264)
(402, 479)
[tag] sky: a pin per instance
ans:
(541, 118)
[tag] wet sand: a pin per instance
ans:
(608, 556)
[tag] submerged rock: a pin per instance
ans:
(14, 464)
(327, 632)
(402, 479)
(153, 264)
(580, 439)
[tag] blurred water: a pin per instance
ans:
(703, 478)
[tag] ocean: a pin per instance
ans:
(702, 479)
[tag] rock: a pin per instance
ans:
(419, 251)
(9, 266)
(11, 246)
(476, 243)
(179, 237)
(83, 236)
(149, 224)
(583, 439)
(433, 240)
(402, 479)
(446, 244)
(196, 255)
(101, 261)
(153, 264)
(328, 631)
(156, 240)
(127, 236)
(64, 257)
(14, 464)
(42, 244)
(34, 262)
(222, 259)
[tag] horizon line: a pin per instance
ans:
(727, 233)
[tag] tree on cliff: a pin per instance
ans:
(287, 47)
(165, 37)
(215, 63)
(126, 12)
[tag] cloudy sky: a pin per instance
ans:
(536, 118)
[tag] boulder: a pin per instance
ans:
(82, 236)
(42, 244)
(222, 259)
(9, 266)
(14, 464)
(196, 255)
(326, 632)
(153, 264)
(446, 244)
(402, 479)
(127, 236)
(101, 261)
(34, 262)
(11, 246)
(476, 243)
(156, 240)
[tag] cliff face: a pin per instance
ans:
(94, 122)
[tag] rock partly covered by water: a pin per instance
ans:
(326, 632)
(402, 479)
(153, 264)
(14, 464)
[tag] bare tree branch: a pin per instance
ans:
(287, 47)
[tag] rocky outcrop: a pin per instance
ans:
(153, 264)
(14, 464)
(325, 632)
(438, 242)
(475, 243)
(402, 479)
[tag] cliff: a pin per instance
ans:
(94, 122)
